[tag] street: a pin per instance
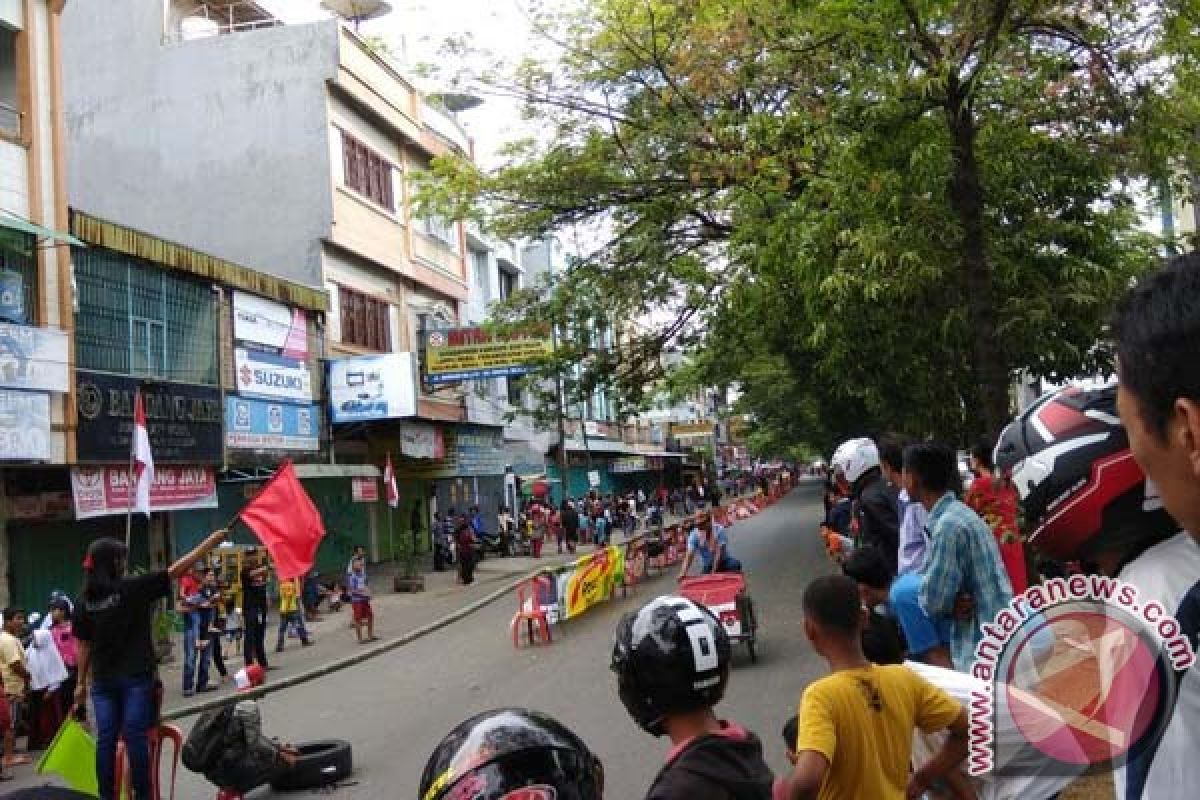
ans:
(396, 707)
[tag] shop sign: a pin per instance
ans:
(41, 505)
(469, 451)
(271, 377)
(271, 325)
(461, 354)
(364, 490)
(259, 425)
(101, 491)
(12, 292)
(372, 387)
(418, 440)
(692, 429)
(33, 358)
(184, 420)
(24, 426)
(624, 466)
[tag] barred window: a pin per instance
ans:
(137, 319)
(365, 320)
(367, 172)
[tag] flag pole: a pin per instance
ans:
(131, 486)
(391, 530)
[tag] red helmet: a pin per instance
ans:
(1081, 491)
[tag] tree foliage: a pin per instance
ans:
(866, 215)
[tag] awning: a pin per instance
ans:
(15, 223)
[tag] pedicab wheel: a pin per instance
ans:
(319, 764)
(749, 625)
(750, 649)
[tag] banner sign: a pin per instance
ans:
(469, 451)
(259, 425)
(271, 377)
(623, 466)
(590, 581)
(24, 426)
(12, 295)
(273, 325)
(184, 419)
(100, 491)
(33, 358)
(43, 505)
(372, 387)
(461, 354)
(692, 429)
(364, 490)
(418, 440)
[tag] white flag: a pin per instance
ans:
(143, 460)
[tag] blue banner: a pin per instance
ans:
(261, 425)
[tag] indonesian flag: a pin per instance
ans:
(142, 459)
(286, 521)
(389, 482)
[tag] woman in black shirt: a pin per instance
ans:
(116, 654)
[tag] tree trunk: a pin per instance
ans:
(991, 412)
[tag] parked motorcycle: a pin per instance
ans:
(443, 552)
(493, 543)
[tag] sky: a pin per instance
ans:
(419, 27)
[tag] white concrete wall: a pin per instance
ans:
(14, 178)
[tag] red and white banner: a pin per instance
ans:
(364, 490)
(100, 491)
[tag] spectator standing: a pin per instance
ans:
(64, 640)
(464, 543)
(570, 524)
(360, 601)
(856, 724)
(994, 498)
(15, 677)
(117, 660)
(254, 608)
(191, 604)
(963, 567)
(874, 503)
(600, 527)
(213, 624)
(361, 552)
(289, 613)
(914, 539)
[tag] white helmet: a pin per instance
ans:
(854, 457)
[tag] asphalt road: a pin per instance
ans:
(396, 707)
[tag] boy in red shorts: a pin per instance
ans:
(360, 601)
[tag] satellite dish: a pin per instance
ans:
(454, 102)
(357, 10)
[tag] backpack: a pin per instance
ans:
(205, 742)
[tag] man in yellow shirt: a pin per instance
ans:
(289, 613)
(856, 724)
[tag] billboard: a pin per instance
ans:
(368, 388)
(101, 491)
(273, 326)
(462, 354)
(271, 377)
(259, 425)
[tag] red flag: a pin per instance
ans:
(389, 482)
(285, 520)
(141, 458)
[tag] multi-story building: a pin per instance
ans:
(292, 149)
(36, 319)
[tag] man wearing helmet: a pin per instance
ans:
(512, 754)
(672, 658)
(875, 510)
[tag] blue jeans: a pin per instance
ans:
(295, 618)
(125, 709)
(195, 624)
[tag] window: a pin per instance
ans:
(508, 284)
(440, 229)
(18, 278)
(365, 320)
(10, 111)
(367, 172)
(479, 266)
(516, 392)
(137, 319)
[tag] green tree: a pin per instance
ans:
(903, 202)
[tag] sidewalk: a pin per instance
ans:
(396, 614)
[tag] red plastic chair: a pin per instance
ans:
(156, 737)
(530, 595)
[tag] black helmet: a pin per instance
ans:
(1081, 491)
(671, 656)
(512, 754)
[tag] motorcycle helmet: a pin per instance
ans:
(854, 457)
(512, 754)
(671, 656)
(1081, 490)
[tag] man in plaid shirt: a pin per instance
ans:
(964, 575)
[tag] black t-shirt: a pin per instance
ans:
(254, 589)
(118, 627)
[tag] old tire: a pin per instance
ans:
(320, 763)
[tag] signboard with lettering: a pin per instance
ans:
(364, 490)
(271, 325)
(271, 377)
(626, 465)
(372, 387)
(184, 419)
(258, 425)
(692, 429)
(461, 354)
(100, 491)
(421, 440)
(33, 358)
(24, 426)
(470, 451)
